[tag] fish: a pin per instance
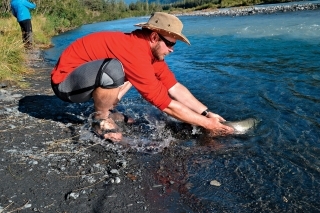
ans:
(243, 126)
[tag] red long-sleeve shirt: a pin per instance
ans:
(150, 77)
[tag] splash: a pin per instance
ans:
(151, 132)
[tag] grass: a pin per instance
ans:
(13, 55)
(43, 31)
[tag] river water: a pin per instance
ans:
(263, 66)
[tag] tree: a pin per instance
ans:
(94, 5)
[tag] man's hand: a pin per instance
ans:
(213, 115)
(216, 128)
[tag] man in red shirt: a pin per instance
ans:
(104, 65)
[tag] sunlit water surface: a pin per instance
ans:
(262, 66)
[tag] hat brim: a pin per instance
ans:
(163, 32)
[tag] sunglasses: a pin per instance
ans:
(168, 43)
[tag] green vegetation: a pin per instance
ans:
(11, 52)
(52, 17)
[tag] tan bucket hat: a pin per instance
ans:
(165, 24)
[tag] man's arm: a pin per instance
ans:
(181, 94)
(187, 108)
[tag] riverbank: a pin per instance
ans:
(257, 9)
(46, 167)
(51, 162)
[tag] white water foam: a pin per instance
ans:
(148, 134)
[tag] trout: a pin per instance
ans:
(241, 127)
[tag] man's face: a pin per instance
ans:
(163, 47)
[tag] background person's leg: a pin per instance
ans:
(26, 29)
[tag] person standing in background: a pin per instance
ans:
(20, 9)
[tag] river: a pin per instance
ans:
(263, 66)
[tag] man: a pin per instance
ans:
(20, 9)
(104, 65)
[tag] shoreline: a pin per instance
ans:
(46, 165)
(256, 9)
(50, 162)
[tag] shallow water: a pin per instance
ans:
(262, 66)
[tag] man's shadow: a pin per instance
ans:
(52, 108)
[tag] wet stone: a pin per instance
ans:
(114, 171)
(117, 180)
(3, 85)
(73, 195)
(215, 183)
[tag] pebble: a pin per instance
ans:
(12, 126)
(3, 85)
(112, 195)
(16, 95)
(34, 162)
(215, 183)
(6, 95)
(117, 180)
(122, 163)
(27, 206)
(73, 195)
(114, 171)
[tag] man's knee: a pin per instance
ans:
(112, 74)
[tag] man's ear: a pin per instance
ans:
(154, 37)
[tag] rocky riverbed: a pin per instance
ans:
(46, 167)
(51, 162)
(257, 9)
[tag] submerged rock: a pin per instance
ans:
(215, 183)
